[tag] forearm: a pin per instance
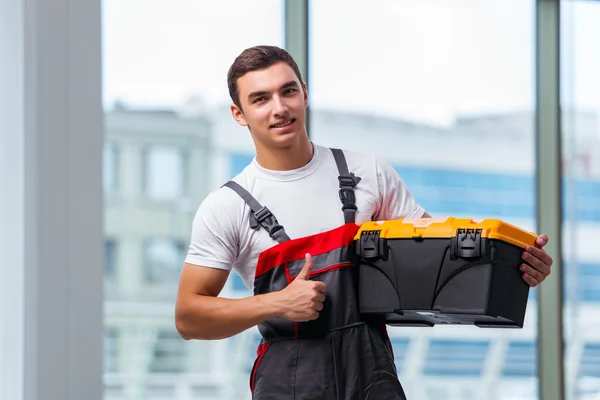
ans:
(209, 318)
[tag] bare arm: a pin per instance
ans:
(200, 314)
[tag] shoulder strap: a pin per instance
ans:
(348, 182)
(260, 215)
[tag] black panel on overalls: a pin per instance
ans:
(337, 356)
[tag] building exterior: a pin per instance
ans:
(159, 165)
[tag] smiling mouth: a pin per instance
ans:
(284, 124)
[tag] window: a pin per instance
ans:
(580, 106)
(590, 363)
(111, 346)
(400, 347)
(110, 168)
(169, 353)
(520, 360)
(164, 259)
(237, 284)
(166, 105)
(113, 387)
(443, 91)
(164, 172)
(110, 259)
(456, 358)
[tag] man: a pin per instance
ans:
(280, 224)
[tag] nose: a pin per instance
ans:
(279, 107)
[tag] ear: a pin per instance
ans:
(238, 115)
(305, 90)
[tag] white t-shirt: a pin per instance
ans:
(305, 201)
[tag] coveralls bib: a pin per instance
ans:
(337, 356)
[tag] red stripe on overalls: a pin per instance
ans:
(260, 352)
(297, 248)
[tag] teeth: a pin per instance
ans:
(284, 124)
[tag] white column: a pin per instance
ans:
(12, 198)
(51, 200)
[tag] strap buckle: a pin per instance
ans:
(348, 182)
(348, 198)
(267, 220)
(263, 214)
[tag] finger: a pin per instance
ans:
(313, 315)
(318, 306)
(530, 281)
(538, 258)
(536, 263)
(535, 274)
(305, 273)
(539, 254)
(320, 287)
(320, 297)
(541, 240)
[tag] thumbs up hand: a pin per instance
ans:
(302, 299)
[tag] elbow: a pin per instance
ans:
(187, 329)
(190, 328)
(182, 328)
(183, 323)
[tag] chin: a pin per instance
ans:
(286, 140)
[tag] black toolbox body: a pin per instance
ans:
(425, 272)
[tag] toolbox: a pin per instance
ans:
(431, 271)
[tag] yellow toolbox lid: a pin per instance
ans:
(405, 228)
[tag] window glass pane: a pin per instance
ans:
(580, 63)
(164, 259)
(443, 91)
(110, 259)
(169, 353)
(164, 172)
(112, 387)
(109, 168)
(166, 106)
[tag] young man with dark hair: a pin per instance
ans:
(285, 223)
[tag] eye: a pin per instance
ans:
(258, 99)
(290, 91)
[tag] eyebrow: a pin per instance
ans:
(263, 92)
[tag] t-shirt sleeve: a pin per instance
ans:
(396, 200)
(213, 240)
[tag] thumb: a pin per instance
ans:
(305, 273)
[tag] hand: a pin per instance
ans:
(302, 299)
(539, 262)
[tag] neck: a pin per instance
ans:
(285, 158)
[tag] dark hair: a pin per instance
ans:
(255, 58)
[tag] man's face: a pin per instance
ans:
(273, 104)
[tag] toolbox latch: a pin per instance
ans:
(466, 243)
(371, 245)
